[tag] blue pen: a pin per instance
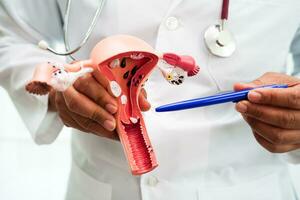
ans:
(234, 96)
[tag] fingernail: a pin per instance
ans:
(241, 107)
(109, 125)
(254, 96)
(111, 108)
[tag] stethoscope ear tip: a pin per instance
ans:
(43, 45)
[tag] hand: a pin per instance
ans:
(88, 106)
(273, 114)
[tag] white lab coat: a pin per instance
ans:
(203, 154)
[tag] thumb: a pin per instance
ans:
(143, 102)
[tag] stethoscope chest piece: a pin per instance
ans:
(220, 42)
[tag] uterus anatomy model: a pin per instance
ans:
(127, 62)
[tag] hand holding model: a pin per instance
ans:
(273, 114)
(89, 106)
(104, 93)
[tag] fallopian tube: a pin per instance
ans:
(126, 61)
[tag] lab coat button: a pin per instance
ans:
(172, 23)
(152, 181)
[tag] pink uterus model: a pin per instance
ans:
(126, 61)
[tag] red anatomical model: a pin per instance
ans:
(126, 62)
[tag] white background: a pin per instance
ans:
(29, 171)
(32, 172)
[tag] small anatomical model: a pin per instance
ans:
(126, 62)
(62, 79)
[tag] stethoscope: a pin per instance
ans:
(218, 39)
(44, 44)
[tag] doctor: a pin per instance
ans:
(204, 154)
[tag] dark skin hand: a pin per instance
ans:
(273, 114)
(89, 106)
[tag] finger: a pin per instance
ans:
(70, 122)
(283, 118)
(273, 148)
(243, 86)
(51, 102)
(83, 106)
(256, 83)
(143, 102)
(274, 134)
(94, 127)
(287, 98)
(64, 113)
(268, 79)
(107, 84)
(82, 123)
(92, 89)
(100, 78)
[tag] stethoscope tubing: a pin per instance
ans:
(69, 52)
(225, 10)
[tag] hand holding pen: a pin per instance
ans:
(273, 114)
